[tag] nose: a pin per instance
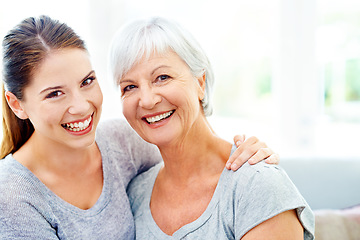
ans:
(148, 97)
(79, 104)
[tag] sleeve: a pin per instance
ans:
(269, 192)
(144, 155)
(21, 219)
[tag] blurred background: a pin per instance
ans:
(287, 71)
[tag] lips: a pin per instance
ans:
(158, 118)
(78, 126)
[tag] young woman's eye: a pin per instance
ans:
(54, 94)
(87, 81)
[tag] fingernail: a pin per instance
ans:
(270, 161)
(228, 165)
(234, 166)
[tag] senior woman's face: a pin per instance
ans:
(161, 98)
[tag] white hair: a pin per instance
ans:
(141, 38)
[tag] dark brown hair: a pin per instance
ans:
(24, 49)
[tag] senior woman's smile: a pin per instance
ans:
(156, 118)
(160, 93)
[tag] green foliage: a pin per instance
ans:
(352, 79)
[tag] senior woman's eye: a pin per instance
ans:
(128, 88)
(163, 77)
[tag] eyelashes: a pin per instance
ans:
(88, 81)
(128, 88)
(158, 81)
(163, 77)
(58, 92)
(54, 94)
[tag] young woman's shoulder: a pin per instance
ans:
(123, 147)
(119, 133)
(116, 128)
(16, 181)
(23, 202)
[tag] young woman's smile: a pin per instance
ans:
(63, 100)
(79, 127)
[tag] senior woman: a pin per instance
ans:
(166, 82)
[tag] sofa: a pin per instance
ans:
(332, 189)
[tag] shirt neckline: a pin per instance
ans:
(190, 227)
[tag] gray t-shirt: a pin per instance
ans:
(241, 201)
(29, 210)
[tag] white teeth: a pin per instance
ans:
(78, 126)
(159, 117)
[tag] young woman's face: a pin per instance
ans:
(161, 98)
(63, 100)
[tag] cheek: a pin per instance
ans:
(45, 117)
(99, 101)
(189, 99)
(128, 108)
(98, 96)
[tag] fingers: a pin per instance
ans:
(273, 159)
(261, 154)
(251, 150)
(242, 154)
(239, 139)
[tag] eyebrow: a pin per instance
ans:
(157, 68)
(58, 87)
(125, 80)
(152, 72)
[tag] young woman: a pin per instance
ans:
(56, 181)
(166, 80)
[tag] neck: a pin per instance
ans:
(200, 152)
(38, 153)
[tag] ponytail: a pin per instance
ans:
(15, 130)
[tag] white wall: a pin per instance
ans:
(238, 35)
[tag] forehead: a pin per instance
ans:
(148, 64)
(170, 58)
(62, 65)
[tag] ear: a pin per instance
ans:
(202, 84)
(15, 105)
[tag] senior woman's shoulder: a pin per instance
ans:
(261, 174)
(262, 179)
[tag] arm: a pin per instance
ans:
(22, 226)
(251, 150)
(283, 226)
(21, 218)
